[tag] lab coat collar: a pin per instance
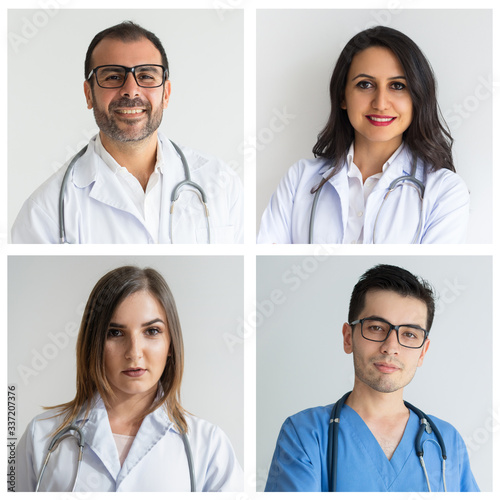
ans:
(99, 437)
(92, 171)
(327, 167)
(394, 167)
(115, 166)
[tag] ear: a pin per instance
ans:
(88, 94)
(347, 333)
(166, 93)
(342, 104)
(424, 352)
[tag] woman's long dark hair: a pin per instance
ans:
(427, 136)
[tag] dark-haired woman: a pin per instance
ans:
(127, 411)
(383, 171)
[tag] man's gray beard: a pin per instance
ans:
(110, 127)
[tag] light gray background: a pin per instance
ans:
(297, 51)
(301, 362)
(48, 119)
(46, 297)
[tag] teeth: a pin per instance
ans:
(130, 111)
(380, 119)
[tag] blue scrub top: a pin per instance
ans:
(299, 462)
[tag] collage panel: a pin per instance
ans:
(370, 130)
(153, 156)
(378, 311)
(102, 344)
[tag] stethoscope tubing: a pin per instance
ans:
(173, 198)
(66, 433)
(333, 432)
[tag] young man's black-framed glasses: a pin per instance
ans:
(378, 330)
(113, 76)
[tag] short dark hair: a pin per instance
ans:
(127, 31)
(427, 136)
(393, 279)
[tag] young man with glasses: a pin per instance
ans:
(371, 440)
(123, 187)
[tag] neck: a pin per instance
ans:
(370, 157)
(371, 404)
(124, 413)
(138, 157)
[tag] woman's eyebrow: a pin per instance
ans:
(152, 322)
(364, 75)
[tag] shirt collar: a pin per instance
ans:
(115, 166)
(327, 165)
(353, 170)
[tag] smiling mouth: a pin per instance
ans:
(380, 121)
(130, 111)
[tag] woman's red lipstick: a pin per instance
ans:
(380, 120)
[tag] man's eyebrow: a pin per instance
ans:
(378, 318)
(364, 75)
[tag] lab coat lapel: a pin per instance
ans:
(173, 174)
(152, 430)
(401, 165)
(106, 188)
(340, 183)
(99, 438)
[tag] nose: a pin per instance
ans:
(134, 348)
(391, 344)
(380, 99)
(130, 87)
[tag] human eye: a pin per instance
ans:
(398, 86)
(364, 85)
(113, 333)
(412, 333)
(153, 331)
(144, 75)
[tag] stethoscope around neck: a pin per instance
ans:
(409, 180)
(80, 438)
(426, 425)
(187, 182)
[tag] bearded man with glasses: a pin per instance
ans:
(371, 439)
(125, 185)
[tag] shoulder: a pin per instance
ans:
(446, 429)
(310, 418)
(445, 177)
(310, 167)
(436, 180)
(43, 425)
(201, 429)
(197, 160)
(48, 192)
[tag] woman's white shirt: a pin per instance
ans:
(156, 461)
(444, 208)
(358, 194)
